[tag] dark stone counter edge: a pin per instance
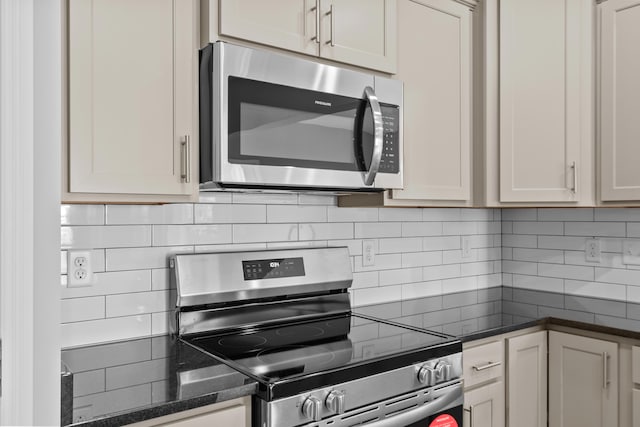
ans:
(548, 321)
(162, 409)
(169, 408)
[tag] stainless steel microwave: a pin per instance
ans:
(273, 121)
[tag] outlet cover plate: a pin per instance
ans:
(631, 252)
(79, 268)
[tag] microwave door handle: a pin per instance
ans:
(378, 135)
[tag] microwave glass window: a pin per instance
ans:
(278, 125)
(283, 133)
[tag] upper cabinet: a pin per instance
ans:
(619, 134)
(435, 65)
(132, 106)
(537, 116)
(357, 32)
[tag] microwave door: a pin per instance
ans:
(369, 136)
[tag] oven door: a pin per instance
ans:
(286, 122)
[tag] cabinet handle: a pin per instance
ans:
(487, 366)
(185, 159)
(470, 411)
(574, 167)
(316, 8)
(332, 12)
(605, 370)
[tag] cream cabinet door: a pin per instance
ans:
(484, 406)
(545, 98)
(620, 100)
(434, 62)
(359, 32)
(583, 381)
(287, 24)
(527, 380)
(132, 66)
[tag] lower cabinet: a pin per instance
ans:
(583, 381)
(527, 380)
(484, 406)
(236, 413)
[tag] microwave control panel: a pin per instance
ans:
(390, 162)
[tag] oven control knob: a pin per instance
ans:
(427, 375)
(335, 402)
(443, 371)
(311, 408)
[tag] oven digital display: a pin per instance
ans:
(273, 268)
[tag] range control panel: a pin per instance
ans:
(273, 268)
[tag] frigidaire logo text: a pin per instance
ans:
(274, 264)
(326, 104)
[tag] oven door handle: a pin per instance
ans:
(431, 408)
(378, 135)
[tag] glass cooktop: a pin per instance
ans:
(290, 358)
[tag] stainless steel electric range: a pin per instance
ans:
(283, 318)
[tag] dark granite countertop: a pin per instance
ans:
(130, 381)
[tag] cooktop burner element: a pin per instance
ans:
(311, 355)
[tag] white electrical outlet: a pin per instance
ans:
(466, 247)
(368, 253)
(79, 270)
(592, 250)
(631, 252)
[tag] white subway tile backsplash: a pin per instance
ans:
(328, 231)
(519, 214)
(284, 213)
(520, 267)
(476, 215)
(620, 276)
(441, 272)
(230, 214)
(367, 230)
(562, 242)
(175, 235)
(460, 284)
(355, 246)
(137, 303)
(539, 255)
(547, 284)
(336, 214)
(119, 282)
(383, 262)
(142, 258)
(365, 279)
(565, 214)
(441, 214)
(421, 289)
(82, 309)
(617, 214)
(476, 268)
(489, 280)
(595, 289)
(89, 237)
(400, 245)
(546, 228)
(519, 241)
(633, 229)
(418, 229)
(566, 271)
(376, 295)
(633, 294)
(400, 276)
(160, 323)
(246, 233)
(215, 197)
(458, 228)
(610, 229)
(160, 279)
(104, 330)
(400, 214)
(295, 244)
(265, 198)
(150, 214)
(81, 214)
(421, 259)
(231, 247)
